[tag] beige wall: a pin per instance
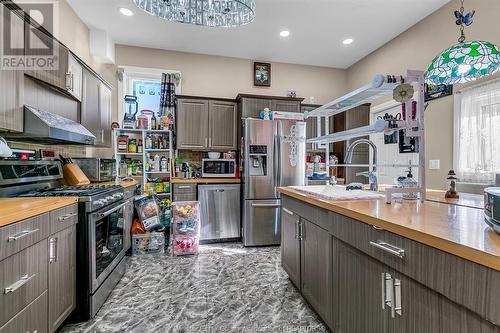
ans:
(75, 34)
(414, 49)
(215, 76)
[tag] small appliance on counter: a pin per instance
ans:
(218, 168)
(492, 207)
(131, 109)
(97, 169)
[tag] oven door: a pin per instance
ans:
(107, 232)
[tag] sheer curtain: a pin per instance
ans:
(477, 133)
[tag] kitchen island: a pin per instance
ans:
(366, 266)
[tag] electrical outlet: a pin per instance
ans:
(434, 165)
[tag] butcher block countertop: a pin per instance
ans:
(17, 209)
(124, 184)
(452, 228)
(206, 180)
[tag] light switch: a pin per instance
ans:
(434, 165)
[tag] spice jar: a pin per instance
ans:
(122, 143)
(132, 146)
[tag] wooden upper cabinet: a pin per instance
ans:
(90, 117)
(12, 83)
(192, 124)
(105, 96)
(285, 106)
(74, 76)
(251, 107)
(36, 39)
(223, 125)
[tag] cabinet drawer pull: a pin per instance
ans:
(397, 308)
(66, 216)
(53, 250)
(386, 290)
(391, 249)
(18, 284)
(183, 187)
(377, 228)
(289, 212)
(21, 235)
(266, 205)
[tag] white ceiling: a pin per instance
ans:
(317, 29)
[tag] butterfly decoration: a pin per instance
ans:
(464, 19)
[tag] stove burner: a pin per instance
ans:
(68, 191)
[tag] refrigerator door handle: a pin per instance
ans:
(277, 156)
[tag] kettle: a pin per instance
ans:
(131, 109)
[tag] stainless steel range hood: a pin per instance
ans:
(48, 127)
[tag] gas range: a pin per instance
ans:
(93, 196)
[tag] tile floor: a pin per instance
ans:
(226, 288)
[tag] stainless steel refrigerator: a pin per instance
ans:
(273, 155)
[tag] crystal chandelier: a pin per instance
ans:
(465, 61)
(212, 13)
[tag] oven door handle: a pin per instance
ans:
(112, 210)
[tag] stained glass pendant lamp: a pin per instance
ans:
(465, 61)
(211, 13)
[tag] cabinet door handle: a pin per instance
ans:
(289, 212)
(391, 249)
(301, 231)
(297, 229)
(266, 205)
(397, 308)
(18, 284)
(386, 290)
(53, 250)
(72, 82)
(66, 216)
(68, 80)
(210, 142)
(21, 235)
(206, 142)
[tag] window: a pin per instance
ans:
(145, 83)
(148, 94)
(477, 133)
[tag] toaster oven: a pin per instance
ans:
(218, 168)
(97, 169)
(492, 207)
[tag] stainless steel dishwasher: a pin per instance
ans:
(220, 212)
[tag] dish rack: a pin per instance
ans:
(381, 85)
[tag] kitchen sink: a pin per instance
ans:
(338, 192)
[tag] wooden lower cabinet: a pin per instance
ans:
(62, 276)
(316, 268)
(357, 292)
(32, 319)
(290, 245)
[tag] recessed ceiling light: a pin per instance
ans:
(285, 33)
(126, 11)
(347, 41)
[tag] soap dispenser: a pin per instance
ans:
(409, 182)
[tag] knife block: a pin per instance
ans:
(73, 175)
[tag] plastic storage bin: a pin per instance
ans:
(185, 227)
(151, 242)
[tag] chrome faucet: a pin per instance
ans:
(372, 175)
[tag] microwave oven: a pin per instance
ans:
(97, 169)
(218, 168)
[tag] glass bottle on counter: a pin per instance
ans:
(139, 147)
(132, 146)
(149, 142)
(153, 121)
(163, 164)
